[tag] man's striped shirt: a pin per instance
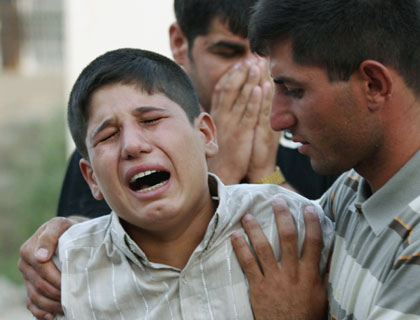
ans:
(375, 267)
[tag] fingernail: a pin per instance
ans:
(248, 62)
(280, 202)
(49, 317)
(42, 253)
(253, 71)
(247, 217)
(310, 209)
(236, 235)
(237, 65)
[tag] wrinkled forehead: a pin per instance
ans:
(139, 87)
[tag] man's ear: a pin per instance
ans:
(90, 178)
(377, 83)
(179, 44)
(205, 124)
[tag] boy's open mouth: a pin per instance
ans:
(148, 180)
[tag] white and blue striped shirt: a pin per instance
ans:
(105, 275)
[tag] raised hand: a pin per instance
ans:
(266, 140)
(235, 109)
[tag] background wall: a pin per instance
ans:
(44, 46)
(98, 26)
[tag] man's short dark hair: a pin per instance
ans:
(149, 71)
(195, 16)
(338, 35)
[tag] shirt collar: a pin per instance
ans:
(389, 201)
(218, 193)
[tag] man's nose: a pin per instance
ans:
(281, 117)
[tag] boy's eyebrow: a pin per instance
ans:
(103, 125)
(146, 109)
(137, 111)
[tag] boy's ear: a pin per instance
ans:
(205, 124)
(377, 83)
(179, 44)
(90, 178)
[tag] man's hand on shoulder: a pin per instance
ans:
(42, 279)
(292, 288)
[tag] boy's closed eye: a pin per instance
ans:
(150, 121)
(106, 135)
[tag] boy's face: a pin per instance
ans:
(146, 159)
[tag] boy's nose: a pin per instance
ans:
(135, 142)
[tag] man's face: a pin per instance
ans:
(146, 159)
(330, 119)
(211, 55)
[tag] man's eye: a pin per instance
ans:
(292, 92)
(295, 93)
(227, 54)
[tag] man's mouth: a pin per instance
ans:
(148, 180)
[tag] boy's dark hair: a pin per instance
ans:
(338, 35)
(195, 16)
(151, 72)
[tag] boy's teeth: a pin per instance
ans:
(142, 174)
(152, 187)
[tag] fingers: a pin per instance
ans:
(246, 259)
(42, 279)
(44, 305)
(244, 105)
(260, 244)
(32, 277)
(266, 140)
(235, 88)
(313, 243)
(41, 303)
(38, 250)
(38, 313)
(229, 87)
(266, 84)
(267, 89)
(236, 121)
(250, 115)
(287, 234)
(264, 68)
(48, 239)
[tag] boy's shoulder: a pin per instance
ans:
(89, 233)
(258, 192)
(257, 199)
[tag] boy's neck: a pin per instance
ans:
(174, 249)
